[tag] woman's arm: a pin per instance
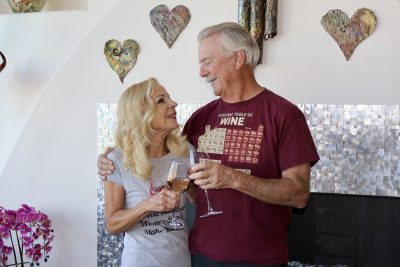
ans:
(120, 220)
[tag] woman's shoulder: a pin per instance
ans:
(115, 155)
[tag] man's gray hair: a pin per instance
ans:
(234, 37)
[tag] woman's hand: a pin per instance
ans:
(165, 200)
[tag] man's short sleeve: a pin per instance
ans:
(296, 145)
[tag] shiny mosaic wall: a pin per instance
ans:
(109, 247)
(359, 146)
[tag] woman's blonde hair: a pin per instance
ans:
(133, 133)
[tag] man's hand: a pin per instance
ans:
(105, 166)
(212, 175)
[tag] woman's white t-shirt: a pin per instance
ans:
(148, 243)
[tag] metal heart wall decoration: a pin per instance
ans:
(121, 59)
(348, 33)
(169, 24)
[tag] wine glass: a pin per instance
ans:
(177, 181)
(194, 158)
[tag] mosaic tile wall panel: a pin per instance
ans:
(109, 247)
(359, 146)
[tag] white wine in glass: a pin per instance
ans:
(194, 158)
(177, 181)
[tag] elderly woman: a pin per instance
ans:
(136, 199)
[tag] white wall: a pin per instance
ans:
(59, 60)
(36, 46)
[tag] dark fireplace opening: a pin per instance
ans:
(350, 230)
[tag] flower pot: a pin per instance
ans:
(22, 6)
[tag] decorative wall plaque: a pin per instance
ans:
(259, 18)
(4, 61)
(348, 33)
(121, 59)
(169, 24)
(271, 19)
(24, 6)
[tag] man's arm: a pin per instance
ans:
(293, 189)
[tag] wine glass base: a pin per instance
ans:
(172, 225)
(211, 213)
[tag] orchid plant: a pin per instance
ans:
(26, 234)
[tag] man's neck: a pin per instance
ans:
(242, 89)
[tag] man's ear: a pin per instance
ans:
(240, 57)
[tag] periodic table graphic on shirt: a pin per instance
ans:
(238, 145)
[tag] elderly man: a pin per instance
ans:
(261, 153)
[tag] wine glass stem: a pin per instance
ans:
(173, 216)
(208, 201)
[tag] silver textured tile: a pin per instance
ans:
(109, 247)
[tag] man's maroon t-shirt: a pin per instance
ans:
(263, 137)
